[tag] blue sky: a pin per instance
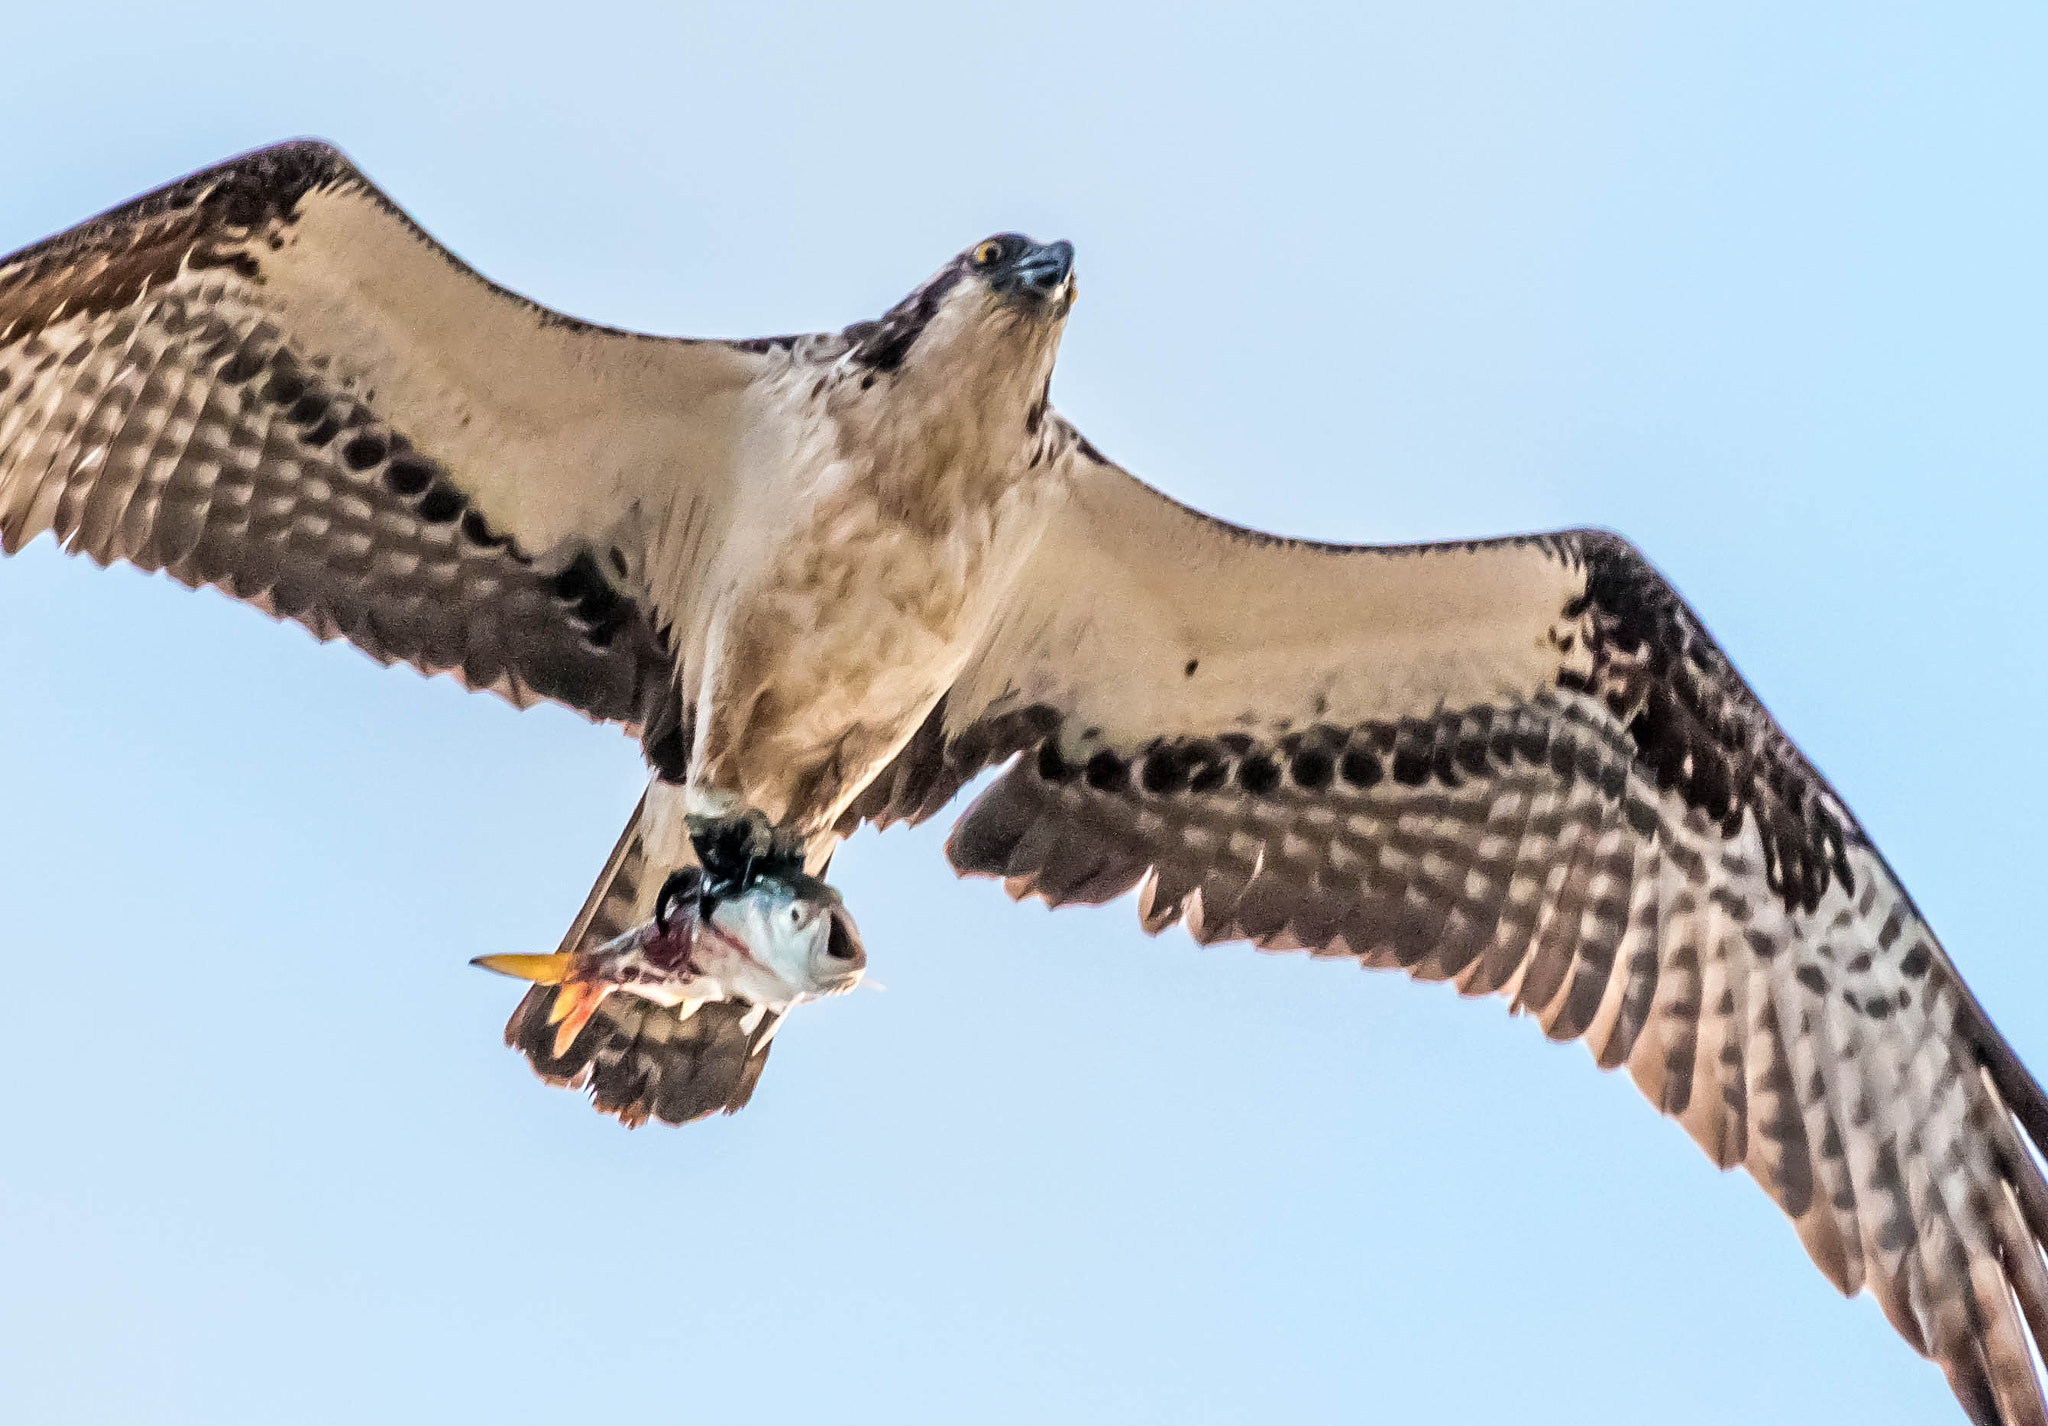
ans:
(1761, 289)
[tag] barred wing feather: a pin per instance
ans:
(1521, 766)
(267, 379)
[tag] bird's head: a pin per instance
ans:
(997, 308)
(1034, 281)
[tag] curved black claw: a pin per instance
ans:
(683, 884)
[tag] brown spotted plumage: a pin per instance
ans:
(1597, 822)
(639, 1061)
(223, 381)
(832, 579)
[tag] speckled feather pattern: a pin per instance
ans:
(1628, 850)
(641, 1061)
(1529, 853)
(208, 382)
(184, 434)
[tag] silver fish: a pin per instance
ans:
(777, 943)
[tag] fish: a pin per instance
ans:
(779, 940)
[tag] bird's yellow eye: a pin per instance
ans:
(987, 253)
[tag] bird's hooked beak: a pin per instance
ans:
(1045, 266)
(1041, 272)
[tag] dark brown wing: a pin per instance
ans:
(1521, 766)
(267, 379)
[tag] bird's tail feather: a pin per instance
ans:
(640, 1060)
(644, 1061)
(619, 901)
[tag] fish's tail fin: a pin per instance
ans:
(640, 1060)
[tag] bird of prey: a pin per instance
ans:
(829, 579)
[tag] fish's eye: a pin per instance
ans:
(988, 253)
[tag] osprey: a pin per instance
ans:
(829, 579)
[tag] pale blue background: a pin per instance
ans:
(1763, 291)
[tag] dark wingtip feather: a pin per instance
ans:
(985, 838)
(2019, 1089)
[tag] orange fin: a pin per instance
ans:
(541, 970)
(574, 1004)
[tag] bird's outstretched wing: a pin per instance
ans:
(1521, 766)
(266, 378)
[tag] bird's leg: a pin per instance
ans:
(736, 848)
